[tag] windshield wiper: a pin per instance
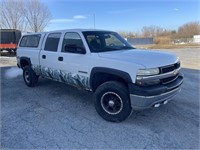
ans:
(127, 47)
(112, 48)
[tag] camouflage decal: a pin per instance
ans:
(62, 76)
(36, 69)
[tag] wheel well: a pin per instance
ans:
(100, 78)
(24, 63)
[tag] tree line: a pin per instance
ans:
(34, 16)
(187, 30)
(24, 15)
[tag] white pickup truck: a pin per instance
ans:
(122, 77)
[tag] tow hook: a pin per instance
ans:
(165, 102)
(158, 104)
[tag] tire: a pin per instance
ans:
(30, 78)
(112, 101)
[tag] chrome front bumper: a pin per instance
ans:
(154, 96)
(143, 102)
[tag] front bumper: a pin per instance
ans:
(146, 97)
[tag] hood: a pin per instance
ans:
(146, 58)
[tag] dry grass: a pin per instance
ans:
(168, 46)
(171, 46)
(162, 40)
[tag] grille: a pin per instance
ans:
(170, 68)
(167, 69)
(168, 80)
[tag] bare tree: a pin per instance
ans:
(37, 15)
(152, 31)
(12, 14)
(188, 30)
(126, 34)
(25, 15)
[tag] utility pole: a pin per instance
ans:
(94, 21)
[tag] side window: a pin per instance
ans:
(91, 38)
(52, 42)
(73, 43)
(23, 41)
(94, 42)
(30, 41)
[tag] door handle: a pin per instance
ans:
(60, 58)
(43, 56)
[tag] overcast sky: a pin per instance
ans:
(121, 15)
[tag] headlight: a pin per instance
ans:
(148, 72)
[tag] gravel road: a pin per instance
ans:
(55, 116)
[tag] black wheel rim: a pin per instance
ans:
(111, 103)
(27, 77)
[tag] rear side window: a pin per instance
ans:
(30, 41)
(52, 42)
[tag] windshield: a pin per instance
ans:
(104, 41)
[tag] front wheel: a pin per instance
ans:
(30, 78)
(112, 101)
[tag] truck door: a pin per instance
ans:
(73, 61)
(49, 55)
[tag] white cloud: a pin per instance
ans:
(61, 20)
(79, 17)
(176, 9)
(74, 19)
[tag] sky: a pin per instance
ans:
(121, 15)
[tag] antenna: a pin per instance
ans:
(94, 20)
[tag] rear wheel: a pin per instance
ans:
(112, 101)
(30, 78)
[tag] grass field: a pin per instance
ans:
(168, 46)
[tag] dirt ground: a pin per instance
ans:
(190, 57)
(53, 115)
